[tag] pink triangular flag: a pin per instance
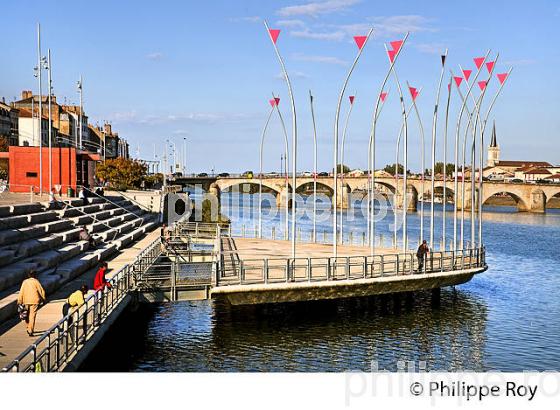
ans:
(274, 33)
(458, 80)
(351, 99)
(467, 74)
(413, 92)
(391, 54)
(490, 66)
(272, 102)
(396, 45)
(478, 61)
(502, 77)
(360, 41)
(482, 85)
(277, 99)
(383, 96)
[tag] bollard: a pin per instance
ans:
(351, 238)
(381, 240)
(324, 236)
(363, 239)
(273, 233)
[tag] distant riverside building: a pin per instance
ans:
(9, 123)
(507, 169)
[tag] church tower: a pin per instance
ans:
(493, 150)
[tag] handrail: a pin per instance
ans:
(55, 348)
(108, 200)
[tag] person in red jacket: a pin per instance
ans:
(100, 282)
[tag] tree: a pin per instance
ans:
(342, 169)
(122, 173)
(449, 169)
(390, 169)
(4, 144)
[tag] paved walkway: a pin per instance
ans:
(264, 248)
(14, 339)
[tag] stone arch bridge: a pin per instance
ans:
(528, 197)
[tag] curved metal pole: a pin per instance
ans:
(287, 159)
(314, 168)
(263, 135)
(369, 187)
(371, 164)
(480, 182)
(455, 183)
(335, 156)
(434, 127)
(294, 140)
(49, 81)
(422, 164)
(342, 172)
(445, 163)
(397, 175)
(405, 162)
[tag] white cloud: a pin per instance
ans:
(317, 8)
(246, 19)
(290, 23)
(292, 74)
(518, 62)
(430, 48)
(155, 56)
(319, 59)
(332, 36)
(392, 25)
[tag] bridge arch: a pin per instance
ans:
(552, 194)
(225, 184)
(519, 200)
(321, 186)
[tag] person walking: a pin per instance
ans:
(100, 282)
(31, 295)
(421, 253)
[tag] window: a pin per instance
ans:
(31, 174)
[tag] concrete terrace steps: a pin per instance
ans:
(34, 231)
(20, 209)
(21, 221)
(52, 279)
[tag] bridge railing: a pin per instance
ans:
(59, 344)
(286, 270)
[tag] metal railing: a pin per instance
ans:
(287, 270)
(58, 345)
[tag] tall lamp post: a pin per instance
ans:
(314, 237)
(41, 63)
(273, 34)
(380, 98)
(361, 41)
(49, 68)
(81, 92)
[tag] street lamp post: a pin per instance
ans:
(81, 92)
(49, 68)
(40, 63)
(361, 41)
(273, 34)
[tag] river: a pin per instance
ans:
(506, 319)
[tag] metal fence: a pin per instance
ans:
(286, 270)
(56, 348)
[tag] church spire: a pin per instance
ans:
(493, 142)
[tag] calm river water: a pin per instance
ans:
(507, 319)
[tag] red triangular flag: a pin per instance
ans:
(383, 96)
(467, 74)
(449, 86)
(272, 102)
(391, 54)
(413, 92)
(360, 41)
(351, 99)
(458, 80)
(277, 99)
(478, 61)
(274, 33)
(482, 85)
(396, 45)
(502, 77)
(490, 66)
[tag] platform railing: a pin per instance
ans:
(59, 344)
(288, 270)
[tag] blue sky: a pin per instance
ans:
(205, 70)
